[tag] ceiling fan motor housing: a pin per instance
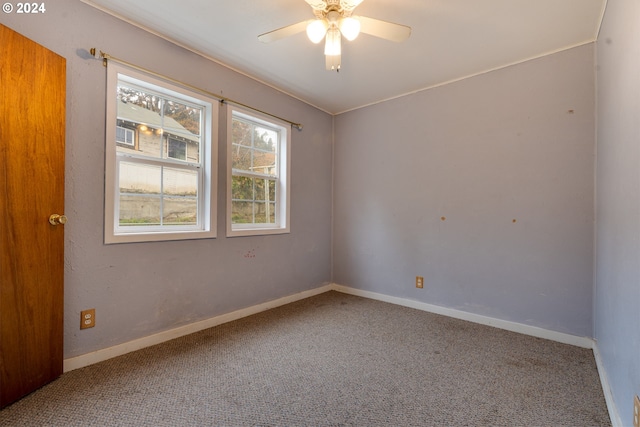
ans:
(343, 8)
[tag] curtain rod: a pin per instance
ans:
(106, 57)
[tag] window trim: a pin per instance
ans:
(283, 182)
(209, 160)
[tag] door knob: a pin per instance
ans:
(56, 219)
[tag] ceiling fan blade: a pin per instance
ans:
(317, 4)
(383, 29)
(283, 32)
(349, 5)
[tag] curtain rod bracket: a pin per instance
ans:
(102, 55)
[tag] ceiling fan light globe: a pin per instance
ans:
(316, 30)
(350, 28)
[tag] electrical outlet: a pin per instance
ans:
(419, 282)
(636, 411)
(88, 318)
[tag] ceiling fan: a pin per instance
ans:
(334, 19)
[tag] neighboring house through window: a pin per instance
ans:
(258, 174)
(161, 153)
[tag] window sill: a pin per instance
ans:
(256, 231)
(158, 236)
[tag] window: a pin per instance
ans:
(124, 136)
(177, 149)
(258, 182)
(160, 153)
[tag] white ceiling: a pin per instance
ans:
(450, 40)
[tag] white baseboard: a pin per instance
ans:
(583, 342)
(124, 348)
(616, 421)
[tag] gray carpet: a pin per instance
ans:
(330, 360)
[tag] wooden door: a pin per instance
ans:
(32, 136)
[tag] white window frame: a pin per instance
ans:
(283, 187)
(127, 132)
(207, 191)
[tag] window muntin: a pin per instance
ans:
(258, 191)
(162, 186)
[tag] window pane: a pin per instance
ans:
(181, 119)
(242, 212)
(140, 179)
(139, 210)
(265, 189)
(241, 158)
(248, 212)
(260, 213)
(182, 126)
(266, 139)
(137, 185)
(242, 133)
(242, 188)
(264, 163)
(264, 213)
(272, 190)
(272, 213)
(139, 104)
(179, 182)
(180, 211)
(260, 186)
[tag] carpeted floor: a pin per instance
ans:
(331, 360)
